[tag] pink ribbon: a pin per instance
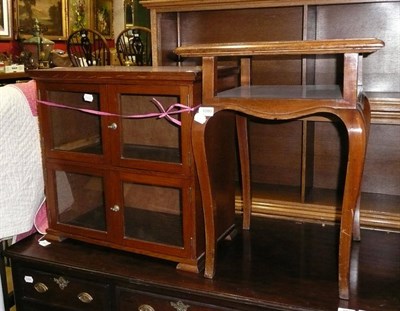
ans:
(172, 110)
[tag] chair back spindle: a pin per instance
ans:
(133, 46)
(87, 47)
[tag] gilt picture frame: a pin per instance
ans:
(5, 20)
(51, 15)
(80, 15)
(103, 17)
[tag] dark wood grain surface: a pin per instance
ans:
(278, 265)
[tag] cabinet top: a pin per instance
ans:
(116, 74)
(197, 5)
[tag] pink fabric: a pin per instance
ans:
(172, 110)
(29, 90)
(40, 222)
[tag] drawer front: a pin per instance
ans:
(60, 290)
(132, 300)
(33, 306)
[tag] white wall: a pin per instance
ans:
(118, 16)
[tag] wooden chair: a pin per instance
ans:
(88, 47)
(133, 46)
(346, 103)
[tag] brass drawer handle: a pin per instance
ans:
(40, 287)
(85, 297)
(146, 308)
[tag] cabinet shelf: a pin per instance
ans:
(93, 219)
(88, 142)
(152, 153)
(158, 227)
(94, 148)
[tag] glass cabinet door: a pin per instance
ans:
(153, 210)
(153, 213)
(78, 197)
(153, 138)
(145, 136)
(72, 128)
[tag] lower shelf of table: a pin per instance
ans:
(378, 211)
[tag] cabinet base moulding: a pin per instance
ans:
(193, 265)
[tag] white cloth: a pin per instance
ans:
(21, 173)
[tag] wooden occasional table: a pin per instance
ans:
(346, 102)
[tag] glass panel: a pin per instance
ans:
(154, 139)
(153, 213)
(80, 200)
(74, 130)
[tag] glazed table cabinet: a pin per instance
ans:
(118, 159)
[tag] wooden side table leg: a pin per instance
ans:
(200, 156)
(244, 157)
(356, 224)
(367, 122)
(357, 136)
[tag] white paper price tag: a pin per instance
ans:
(28, 279)
(207, 111)
(44, 243)
(200, 118)
(88, 98)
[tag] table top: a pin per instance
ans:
(118, 74)
(295, 47)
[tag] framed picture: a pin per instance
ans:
(80, 14)
(51, 15)
(5, 19)
(103, 17)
